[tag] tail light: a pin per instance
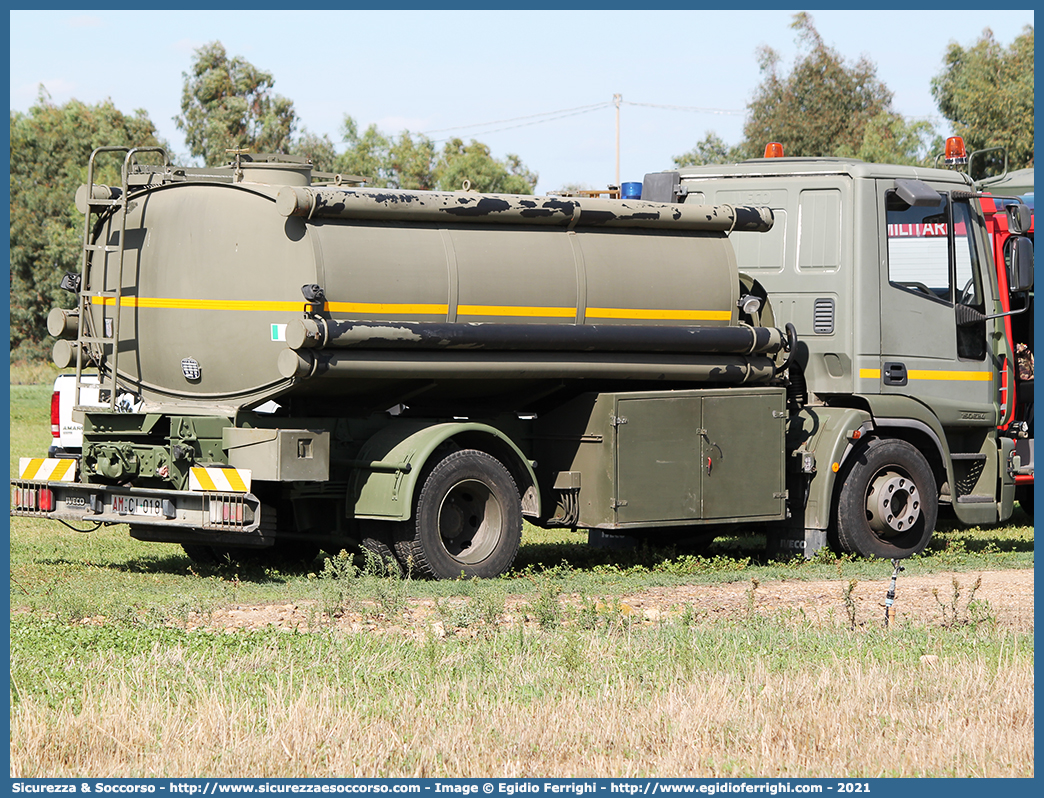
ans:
(56, 420)
(32, 499)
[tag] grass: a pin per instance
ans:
(113, 672)
(685, 699)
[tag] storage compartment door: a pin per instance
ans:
(743, 456)
(657, 463)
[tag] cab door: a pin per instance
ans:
(933, 261)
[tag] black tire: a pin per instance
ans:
(889, 501)
(467, 519)
(377, 541)
(1024, 496)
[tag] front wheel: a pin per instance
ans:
(889, 501)
(467, 519)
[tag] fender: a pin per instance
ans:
(826, 432)
(391, 464)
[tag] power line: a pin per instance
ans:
(554, 116)
(536, 122)
(566, 111)
(685, 108)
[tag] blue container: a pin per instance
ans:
(631, 191)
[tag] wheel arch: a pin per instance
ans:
(922, 438)
(834, 445)
(387, 494)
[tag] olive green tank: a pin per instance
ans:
(253, 284)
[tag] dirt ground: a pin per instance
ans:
(1003, 596)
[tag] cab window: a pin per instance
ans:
(932, 252)
(918, 248)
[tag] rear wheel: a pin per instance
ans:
(467, 519)
(377, 546)
(889, 501)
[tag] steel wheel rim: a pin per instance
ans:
(893, 504)
(471, 521)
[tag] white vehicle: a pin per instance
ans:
(67, 434)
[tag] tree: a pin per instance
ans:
(410, 162)
(822, 107)
(229, 104)
(890, 138)
(986, 92)
(318, 149)
(366, 155)
(50, 148)
(474, 162)
(710, 150)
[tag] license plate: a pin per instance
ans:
(133, 505)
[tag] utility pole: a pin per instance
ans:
(616, 101)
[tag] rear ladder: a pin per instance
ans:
(102, 346)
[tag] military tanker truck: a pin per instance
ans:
(315, 364)
(911, 328)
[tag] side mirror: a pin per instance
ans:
(1020, 218)
(1020, 266)
(917, 193)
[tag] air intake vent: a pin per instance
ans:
(823, 317)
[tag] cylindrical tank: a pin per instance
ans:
(213, 272)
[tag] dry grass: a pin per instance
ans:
(515, 712)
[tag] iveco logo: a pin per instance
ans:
(76, 501)
(190, 368)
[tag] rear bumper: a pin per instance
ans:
(167, 514)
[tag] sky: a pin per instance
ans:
(545, 79)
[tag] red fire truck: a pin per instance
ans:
(1018, 420)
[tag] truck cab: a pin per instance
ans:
(888, 275)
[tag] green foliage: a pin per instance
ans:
(410, 161)
(890, 138)
(473, 162)
(229, 104)
(710, 150)
(50, 147)
(986, 92)
(821, 107)
(367, 155)
(318, 149)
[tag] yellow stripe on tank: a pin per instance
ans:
(658, 315)
(201, 304)
(395, 308)
(419, 309)
(515, 310)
